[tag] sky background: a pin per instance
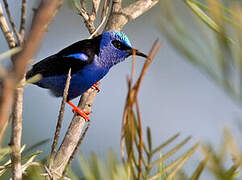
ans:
(175, 96)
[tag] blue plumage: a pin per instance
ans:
(80, 56)
(89, 60)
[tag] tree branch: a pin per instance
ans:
(17, 134)
(119, 17)
(6, 31)
(11, 21)
(6, 97)
(138, 8)
(23, 18)
(6, 100)
(60, 119)
(44, 16)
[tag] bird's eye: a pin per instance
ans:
(117, 44)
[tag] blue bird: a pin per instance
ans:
(89, 60)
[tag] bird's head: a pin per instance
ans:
(114, 48)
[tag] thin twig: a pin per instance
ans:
(103, 17)
(133, 66)
(140, 132)
(23, 18)
(154, 50)
(60, 119)
(44, 16)
(83, 4)
(88, 18)
(97, 29)
(95, 6)
(105, 9)
(6, 31)
(11, 21)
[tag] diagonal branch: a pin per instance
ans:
(11, 21)
(95, 6)
(138, 8)
(119, 17)
(6, 31)
(44, 16)
(60, 119)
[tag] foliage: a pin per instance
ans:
(209, 35)
(159, 168)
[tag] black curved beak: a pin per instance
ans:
(137, 52)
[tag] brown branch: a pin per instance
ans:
(23, 18)
(138, 8)
(44, 16)
(41, 21)
(88, 19)
(140, 146)
(17, 134)
(11, 21)
(60, 119)
(132, 96)
(103, 19)
(6, 31)
(6, 98)
(154, 50)
(17, 113)
(119, 17)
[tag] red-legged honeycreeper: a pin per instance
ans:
(89, 60)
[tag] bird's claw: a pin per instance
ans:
(82, 113)
(79, 111)
(95, 86)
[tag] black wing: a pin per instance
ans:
(61, 62)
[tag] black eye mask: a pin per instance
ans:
(119, 45)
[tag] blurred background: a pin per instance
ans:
(176, 95)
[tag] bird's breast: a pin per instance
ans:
(84, 79)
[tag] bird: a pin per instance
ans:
(89, 60)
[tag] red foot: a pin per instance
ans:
(95, 86)
(80, 111)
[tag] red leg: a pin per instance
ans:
(79, 111)
(95, 86)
